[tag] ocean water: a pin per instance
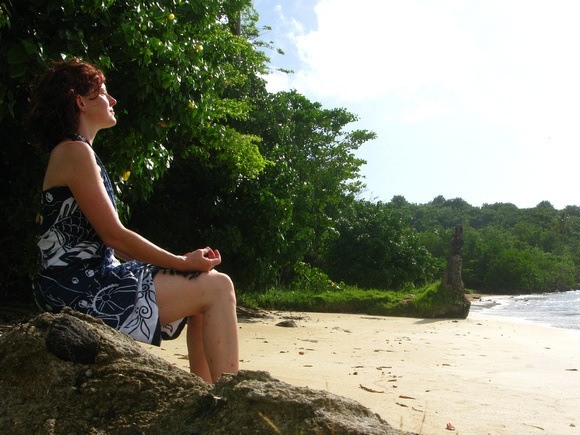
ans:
(559, 310)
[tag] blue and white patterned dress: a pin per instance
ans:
(77, 270)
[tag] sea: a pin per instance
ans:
(558, 310)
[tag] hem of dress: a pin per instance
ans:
(175, 330)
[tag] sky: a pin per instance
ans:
(469, 99)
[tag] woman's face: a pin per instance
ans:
(97, 108)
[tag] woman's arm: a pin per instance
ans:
(79, 170)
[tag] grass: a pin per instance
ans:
(416, 302)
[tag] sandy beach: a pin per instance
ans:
(482, 375)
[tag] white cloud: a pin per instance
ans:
(445, 80)
(425, 110)
(277, 81)
(381, 47)
(502, 59)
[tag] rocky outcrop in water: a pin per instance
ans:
(69, 373)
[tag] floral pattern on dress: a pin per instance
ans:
(79, 271)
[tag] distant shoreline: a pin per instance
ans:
(553, 309)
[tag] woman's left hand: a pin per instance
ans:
(203, 260)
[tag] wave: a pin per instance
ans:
(558, 309)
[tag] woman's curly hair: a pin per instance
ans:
(54, 114)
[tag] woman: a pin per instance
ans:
(150, 297)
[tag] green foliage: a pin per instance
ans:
(430, 295)
(174, 65)
(426, 301)
(312, 279)
(349, 299)
(507, 249)
(374, 247)
(204, 155)
(269, 227)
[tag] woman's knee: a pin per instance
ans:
(223, 287)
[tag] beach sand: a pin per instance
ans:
(482, 375)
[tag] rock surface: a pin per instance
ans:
(452, 284)
(69, 373)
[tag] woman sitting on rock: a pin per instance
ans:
(153, 293)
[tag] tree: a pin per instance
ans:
(506, 249)
(375, 248)
(269, 224)
(172, 64)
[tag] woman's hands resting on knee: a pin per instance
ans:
(202, 260)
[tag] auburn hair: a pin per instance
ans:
(54, 114)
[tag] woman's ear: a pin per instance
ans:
(80, 103)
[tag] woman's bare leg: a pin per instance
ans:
(195, 351)
(211, 294)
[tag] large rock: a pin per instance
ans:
(452, 289)
(70, 373)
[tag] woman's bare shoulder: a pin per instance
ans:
(68, 148)
(67, 159)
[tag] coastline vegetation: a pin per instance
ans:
(413, 302)
(270, 178)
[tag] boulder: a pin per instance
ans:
(70, 373)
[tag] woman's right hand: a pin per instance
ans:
(202, 260)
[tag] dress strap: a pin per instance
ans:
(80, 138)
